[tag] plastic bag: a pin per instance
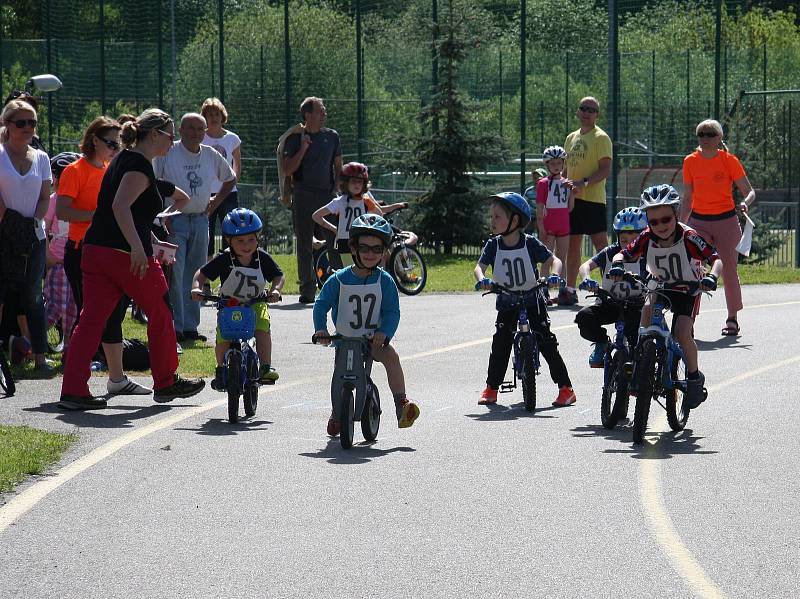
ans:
(746, 242)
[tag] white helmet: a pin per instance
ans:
(660, 195)
(551, 152)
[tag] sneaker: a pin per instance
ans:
(218, 382)
(694, 391)
(138, 315)
(304, 299)
(178, 349)
(566, 397)
(407, 412)
(126, 387)
(179, 388)
(194, 336)
(78, 402)
(488, 396)
(567, 297)
(334, 427)
(19, 349)
(267, 374)
(598, 357)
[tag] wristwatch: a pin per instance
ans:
(585, 181)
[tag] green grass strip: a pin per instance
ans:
(25, 451)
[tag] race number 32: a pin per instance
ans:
(360, 305)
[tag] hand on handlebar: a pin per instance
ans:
(378, 339)
(322, 337)
(708, 283)
(485, 284)
(616, 272)
(554, 281)
(197, 294)
(274, 296)
(588, 285)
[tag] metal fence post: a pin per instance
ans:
(652, 108)
(434, 58)
(102, 56)
(49, 35)
(566, 94)
(717, 46)
(359, 88)
(613, 95)
(263, 94)
(160, 53)
(212, 70)
(287, 63)
(687, 135)
(221, 20)
(523, 9)
(500, 66)
(764, 87)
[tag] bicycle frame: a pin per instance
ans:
(665, 342)
(352, 370)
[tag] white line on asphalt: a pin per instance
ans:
(443, 409)
(584, 411)
(293, 405)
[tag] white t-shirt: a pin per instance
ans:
(21, 192)
(225, 145)
(196, 174)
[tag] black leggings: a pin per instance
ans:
(503, 341)
(72, 268)
(590, 321)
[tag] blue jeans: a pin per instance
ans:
(31, 300)
(228, 204)
(190, 233)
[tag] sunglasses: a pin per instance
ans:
(664, 220)
(707, 134)
(110, 143)
(22, 123)
(363, 248)
(170, 135)
(589, 109)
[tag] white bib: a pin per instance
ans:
(557, 194)
(359, 310)
(514, 269)
(351, 210)
(244, 283)
(673, 263)
(623, 290)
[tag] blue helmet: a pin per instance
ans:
(241, 221)
(630, 219)
(516, 203)
(372, 224)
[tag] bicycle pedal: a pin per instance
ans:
(507, 388)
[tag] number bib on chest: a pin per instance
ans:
(622, 290)
(359, 311)
(514, 269)
(244, 283)
(557, 194)
(351, 211)
(672, 263)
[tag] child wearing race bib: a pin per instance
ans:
(354, 201)
(363, 301)
(513, 256)
(628, 224)
(244, 270)
(674, 253)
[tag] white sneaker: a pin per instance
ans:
(178, 348)
(127, 387)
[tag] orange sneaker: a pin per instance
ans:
(566, 397)
(407, 413)
(488, 396)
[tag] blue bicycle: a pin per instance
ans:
(525, 360)
(660, 365)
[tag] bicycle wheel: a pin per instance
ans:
(677, 409)
(55, 338)
(371, 418)
(528, 374)
(322, 266)
(6, 378)
(346, 415)
(234, 385)
(646, 374)
(250, 395)
(408, 270)
(616, 390)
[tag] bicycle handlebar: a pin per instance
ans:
(498, 289)
(219, 299)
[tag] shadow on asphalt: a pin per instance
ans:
(496, 412)
(220, 427)
(664, 446)
(721, 343)
(114, 416)
(361, 453)
(291, 306)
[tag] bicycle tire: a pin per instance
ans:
(346, 416)
(322, 266)
(677, 411)
(411, 278)
(55, 338)
(7, 383)
(234, 385)
(616, 389)
(250, 395)
(646, 374)
(371, 418)
(528, 374)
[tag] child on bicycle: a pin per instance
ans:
(628, 224)
(513, 256)
(244, 270)
(354, 201)
(674, 253)
(363, 301)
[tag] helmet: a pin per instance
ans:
(542, 172)
(355, 169)
(551, 152)
(61, 161)
(371, 224)
(517, 204)
(660, 195)
(630, 219)
(241, 221)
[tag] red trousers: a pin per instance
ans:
(106, 277)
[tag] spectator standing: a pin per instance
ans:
(589, 153)
(313, 159)
(195, 167)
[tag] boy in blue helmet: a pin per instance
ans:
(628, 224)
(244, 270)
(363, 301)
(513, 256)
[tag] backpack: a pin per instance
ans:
(135, 355)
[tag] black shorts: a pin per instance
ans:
(587, 218)
(681, 304)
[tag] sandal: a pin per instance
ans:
(731, 328)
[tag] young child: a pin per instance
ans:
(363, 300)
(674, 253)
(513, 256)
(354, 201)
(244, 270)
(628, 224)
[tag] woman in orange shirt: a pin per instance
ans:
(708, 204)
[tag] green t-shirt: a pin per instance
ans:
(584, 153)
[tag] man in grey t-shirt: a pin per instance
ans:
(314, 160)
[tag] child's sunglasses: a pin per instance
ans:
(363, 248)
(664, 220)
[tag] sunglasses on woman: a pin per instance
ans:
(363, 248)
(22, 123)
(707, 134)
(170, 135)
(589, 109)
(110, 143)
(664, 220)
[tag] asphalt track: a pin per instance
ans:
(172, 501)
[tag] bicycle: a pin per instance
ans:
(237, 321)
(353, 394)
(7, 383)
(526, 360)
(655, 350)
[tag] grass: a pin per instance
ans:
(25, 451)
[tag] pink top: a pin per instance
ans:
(555, 197)
(57, 229)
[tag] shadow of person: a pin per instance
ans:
(721, 343)
(497, 412)
(665, 446)
(113, 416)
(220, 427)
(361, 453)
(290, 306)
